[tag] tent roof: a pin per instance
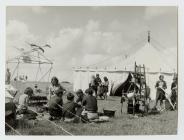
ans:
(155, 61)
(149, 56)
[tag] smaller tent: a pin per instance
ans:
(116, 90)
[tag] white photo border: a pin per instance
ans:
(178, 3)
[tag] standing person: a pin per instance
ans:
(174, 91)
(105, 87)
(55, 85)
(8, 76)
(98, 83)
(26, 78)
(160, 93)
(92, 84)
(55, 104)
(90, 104)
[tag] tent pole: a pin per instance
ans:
(50, 73)
(38, 67)
(14, 71)
(18, 70)
(149, 38)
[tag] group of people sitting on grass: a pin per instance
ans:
(83, 108)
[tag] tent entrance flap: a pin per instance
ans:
(125, 86)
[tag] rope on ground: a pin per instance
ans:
(73, 114)
(12, 128)
(55, 125)
(60, 127)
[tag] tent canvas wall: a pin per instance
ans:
(154, 61)
(82, 77)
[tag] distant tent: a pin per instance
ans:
(156, 63)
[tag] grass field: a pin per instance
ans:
(122, 124)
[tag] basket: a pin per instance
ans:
(109, 113)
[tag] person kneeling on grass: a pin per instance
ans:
(55, 105)
(90, 104)
(23, 104)
(71, 110)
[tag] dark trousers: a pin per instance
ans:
(55, 112)
(95, 88)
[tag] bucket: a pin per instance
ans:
(109, 113)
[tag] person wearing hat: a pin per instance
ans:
(70, 109)
(90, 105)
(55, 85)
(23, 102)
(160, 91)
(55, 105)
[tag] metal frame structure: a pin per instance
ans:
(32, 57)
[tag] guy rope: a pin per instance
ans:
(55, 124)
(17, 132)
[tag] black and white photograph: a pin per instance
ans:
(91, 70)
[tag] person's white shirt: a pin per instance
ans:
(23, 101)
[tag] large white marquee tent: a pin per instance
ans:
(155, 61)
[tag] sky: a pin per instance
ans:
(84, 36)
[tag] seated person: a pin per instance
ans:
(23, 103)
(80, 96)
(55, 105)
(90, 104)
(71, 109)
